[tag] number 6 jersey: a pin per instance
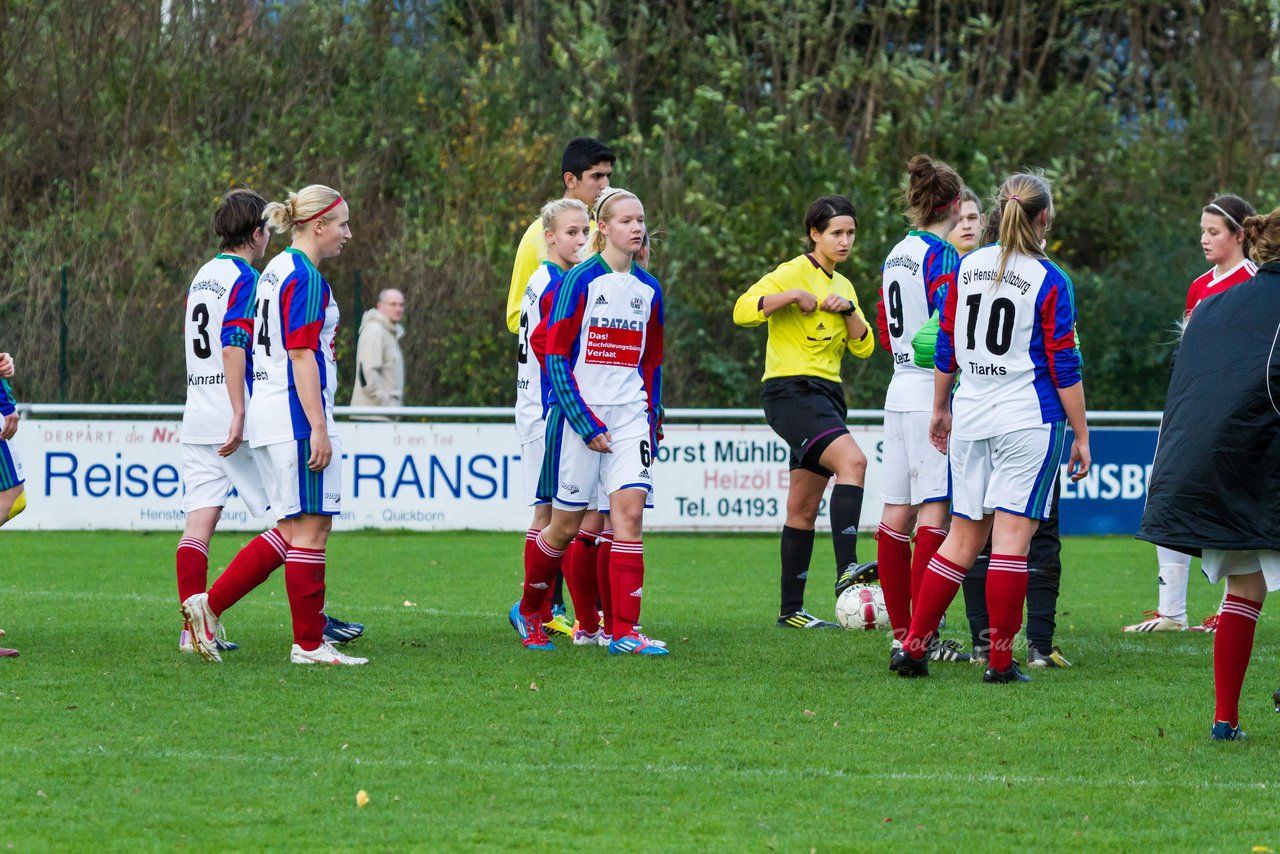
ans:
(914, 274)
(1014, 343)
(294, 310)
(221, 291)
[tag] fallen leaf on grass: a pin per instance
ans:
(1159, 732)
(409, 604)
(40, 793)
(343, 747)
(533, 686)
(808, 713)
(362, 798)
(886, 820)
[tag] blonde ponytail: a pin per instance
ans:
(1021, 199)
(315, 201)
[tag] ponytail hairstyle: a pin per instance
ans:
(1021, 199)
(312, 202)
(1262, 235)
(238, 216)
(1232, 210)
(932, 189)
(820, 214)
(551, 210)
(603, 210)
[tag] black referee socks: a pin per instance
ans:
(846, 509)
(797, 549)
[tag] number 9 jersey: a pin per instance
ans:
(220, 292)
(294, 310)
(916, 272)
(1014, 343)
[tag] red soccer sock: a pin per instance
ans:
(304, 583)
(626, 574)
(263, 555)
(193, 567)
(893, 553)
(928, 541)
(580, 574)
(936, 592)
(1232, 646)
(604, 556)
(1006, 594)
(541, 566)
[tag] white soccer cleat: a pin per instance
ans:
(323, 654)
(1157, 622)
(203, 626)
(184, 642)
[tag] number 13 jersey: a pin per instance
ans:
(1014, 344)
(914, 274)
(295, 310)
(221, 291)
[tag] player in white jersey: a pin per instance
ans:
(602, 346)
(914, 481)
(290, 414)
(13, 498)
(1223, 241)
(215, 459)
(1008, 325)
(565, 229)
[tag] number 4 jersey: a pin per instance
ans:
(294, 310)
(221, 292)
(1013, 342)
(913, 276)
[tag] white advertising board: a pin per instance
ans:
(120, 474)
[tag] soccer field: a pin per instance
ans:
(745, 738)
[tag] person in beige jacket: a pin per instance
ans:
(379, 362)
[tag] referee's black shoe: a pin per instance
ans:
(802, 619)
(1002, 677)
(907, 667)
(857, 573)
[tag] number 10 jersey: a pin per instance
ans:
(916, 271)
(1013, 342)
(294, 310)
(221, 291)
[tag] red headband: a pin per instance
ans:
(948, 204)
(336, 202)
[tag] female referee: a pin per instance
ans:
(290, 414)
(914, 482)
(813, 317)
(1223, 240)
(602, 346)
(1008, 325)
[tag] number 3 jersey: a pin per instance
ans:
(1014, 343)
(295, 310)
(915, 273)
(602, 344)
(532, 389)
(220, 293)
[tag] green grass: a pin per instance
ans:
(746, 738)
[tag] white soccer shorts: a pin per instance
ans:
(531, 463)
(1218, 564)
(584, 478)
(209, 478)
(1013, 472)
(295, 489)
(913, 471)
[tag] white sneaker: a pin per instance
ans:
(585, 638)
(323, 654)
(184, 642)
(1156, 622)
(203, 626)
(604, 639)
(651, 641)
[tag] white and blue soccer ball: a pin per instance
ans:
(862, 607)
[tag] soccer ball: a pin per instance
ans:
(862, 607)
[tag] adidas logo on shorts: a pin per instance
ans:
(645, 473)
(600, 300)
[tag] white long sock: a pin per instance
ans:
(1174, 569)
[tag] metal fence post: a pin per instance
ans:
(62, 340)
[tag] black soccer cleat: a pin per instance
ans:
(802, 619)
(1002, 677)
(857, 573)
(907, 667)
(1275, 698)
(946, 650)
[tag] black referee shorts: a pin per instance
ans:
(808, 414)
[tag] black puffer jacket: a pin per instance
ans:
(1216, 479)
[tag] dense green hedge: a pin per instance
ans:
(443, 123)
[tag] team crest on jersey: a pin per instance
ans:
(637, 305)
(529, 294)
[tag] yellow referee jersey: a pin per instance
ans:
(803, 345)
(532, 252)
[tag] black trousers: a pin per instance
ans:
(1044, 571)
